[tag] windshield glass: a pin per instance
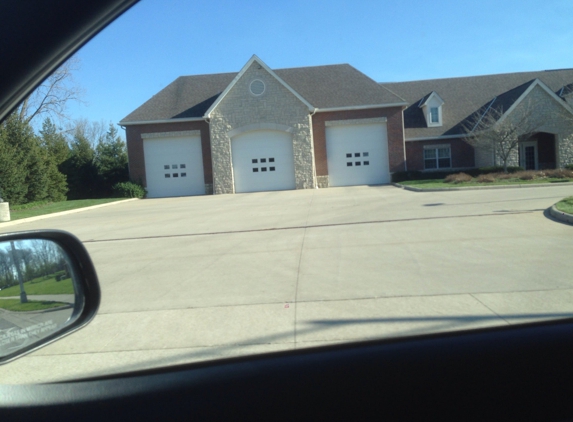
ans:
(314, 173)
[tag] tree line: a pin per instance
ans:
(39, 161)
(31, 259)
(81, 163)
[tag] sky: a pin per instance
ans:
(159, 40)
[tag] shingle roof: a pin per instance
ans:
(337, 86)
(322, 86)
(466, 95)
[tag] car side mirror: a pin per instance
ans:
(48, 289)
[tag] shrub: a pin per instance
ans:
(569, 166)
(485, 178)
(526, 175)
(559, 173)
(458, 178)
(502, 176)
(499, 169)
(128, 190)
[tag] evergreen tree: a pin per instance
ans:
(111, 160)
(80, 169)
(24, 177)
(13, 173)
(56, 150)
(54, 142)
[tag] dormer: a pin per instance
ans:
(566, 93)
(431, 105)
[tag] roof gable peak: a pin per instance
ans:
(239, 75)
(532, 84)
(431, 96)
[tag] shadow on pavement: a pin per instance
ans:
(440, 324)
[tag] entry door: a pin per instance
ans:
(528, 155)
(263, 161)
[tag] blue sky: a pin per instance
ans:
(159, 40)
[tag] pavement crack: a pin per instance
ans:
(298, 269)
(312, 226)
(491, 310)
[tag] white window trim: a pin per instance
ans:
(436, 148)
(432, 101)
(429, 117)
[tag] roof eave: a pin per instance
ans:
(151, 122)
(362, 107)
(434, 138)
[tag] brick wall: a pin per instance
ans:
(135, 147)
(394, 127)
(461, 152)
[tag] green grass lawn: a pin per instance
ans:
(41, 286)
(439, 183)
(565, 205)
(41, 208)
(14, 305)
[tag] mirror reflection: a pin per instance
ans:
(37, 293)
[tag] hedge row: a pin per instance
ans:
(402, 176)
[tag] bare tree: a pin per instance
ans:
(53, 95)
(499, 133)
(92, 131)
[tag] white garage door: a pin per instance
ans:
(174, 167)
(263, 161)
(357, 154)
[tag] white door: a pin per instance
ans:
(357, 155)
(263, 161)
(174, 167)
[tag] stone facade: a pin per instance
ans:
(276, 108)
(555, 119)
(550, 117)
(565, 151)
(322, 182)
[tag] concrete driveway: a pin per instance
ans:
(195, 278)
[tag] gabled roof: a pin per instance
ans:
(426, 99)
(464, 96)
(323, 87)
(240, 75)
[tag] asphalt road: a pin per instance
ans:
(195, 278)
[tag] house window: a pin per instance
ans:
(437, 157)
(434, 115)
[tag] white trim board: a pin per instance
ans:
(174, 120)
(182, 133)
